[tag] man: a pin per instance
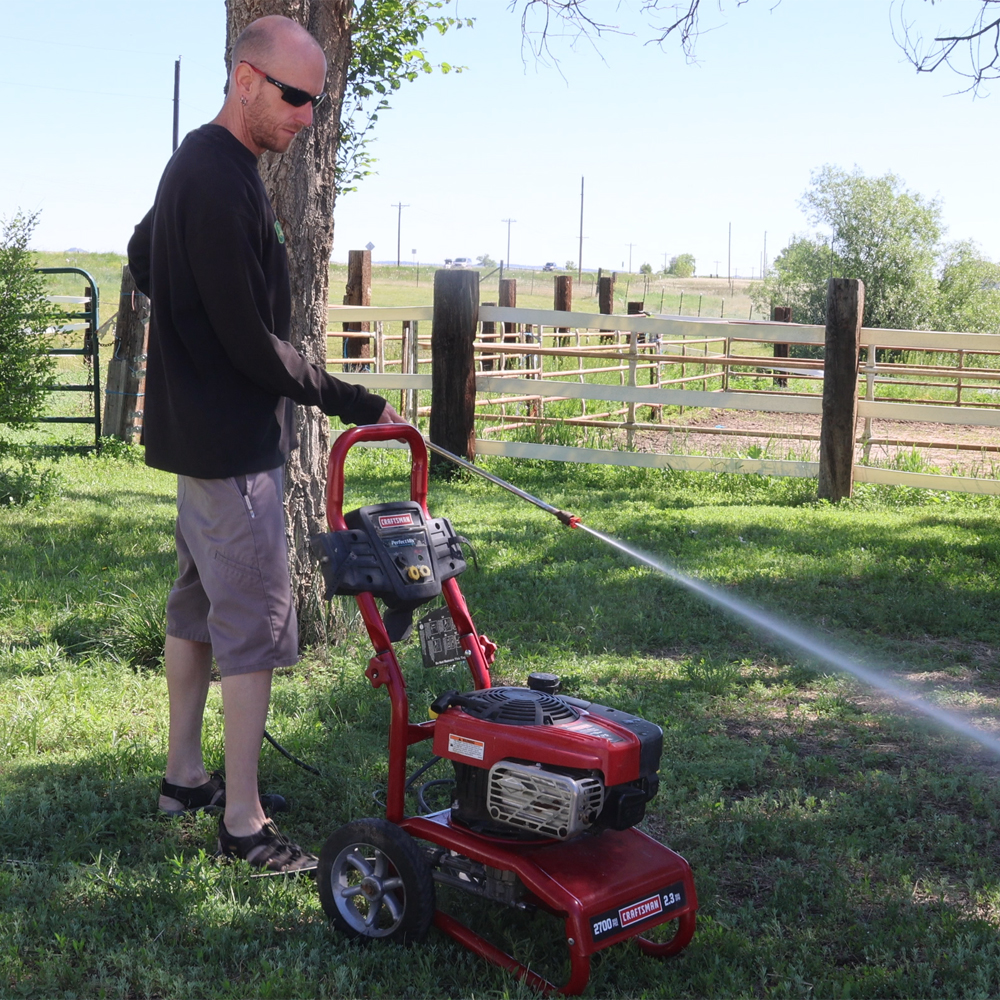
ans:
(221, 378)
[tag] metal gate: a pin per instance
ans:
(88, 320)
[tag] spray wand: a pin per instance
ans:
(570, 520)
(790, 635)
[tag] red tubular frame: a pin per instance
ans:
(384, 670)
(383, 667)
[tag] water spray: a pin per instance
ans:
(790, 635)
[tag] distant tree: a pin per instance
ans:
(485, 260)
(968, 292)
(798, 279)
(884, 235)
(682, 265)
(570, 265)
(645, 268)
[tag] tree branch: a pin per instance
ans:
(979, 63)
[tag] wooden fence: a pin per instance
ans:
(619, 369)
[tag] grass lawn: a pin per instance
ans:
(840, 847)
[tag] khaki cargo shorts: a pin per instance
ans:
(232, 587)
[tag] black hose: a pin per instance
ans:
(295, 760)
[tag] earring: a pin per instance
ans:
(243, 101)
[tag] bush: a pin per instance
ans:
(21, 482)
(26, 322)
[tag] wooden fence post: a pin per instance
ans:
(489, 336)
(845, 305)
(606, 301)
(562, 301)
(781, 314)
(359, 293)
(507, 297)
(126, 383)
(453, 378)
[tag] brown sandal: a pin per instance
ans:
(268, 849)
(212, 793)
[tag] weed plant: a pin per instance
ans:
(840, 847)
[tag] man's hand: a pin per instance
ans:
(390, 416)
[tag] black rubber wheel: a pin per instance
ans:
(374, 882)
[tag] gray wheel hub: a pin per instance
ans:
(369, 895)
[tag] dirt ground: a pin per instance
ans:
(796, 436)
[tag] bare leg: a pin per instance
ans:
(188, 667)
(245, 699)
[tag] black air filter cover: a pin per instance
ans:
(512, 706)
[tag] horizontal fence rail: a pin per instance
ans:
(623, 374)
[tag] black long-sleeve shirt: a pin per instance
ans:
(210, 255)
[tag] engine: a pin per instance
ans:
(532, 764)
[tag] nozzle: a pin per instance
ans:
(570, 520)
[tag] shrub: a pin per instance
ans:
(26, 321)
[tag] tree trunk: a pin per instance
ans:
(300, 184)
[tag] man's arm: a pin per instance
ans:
(139, 255)
(233, 288)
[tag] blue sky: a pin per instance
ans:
(672, 152)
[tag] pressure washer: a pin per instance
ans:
(547, 791)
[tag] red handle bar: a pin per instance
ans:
(406, 433)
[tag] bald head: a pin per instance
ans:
(277, 77)
(259, 40)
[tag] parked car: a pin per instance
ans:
(460, 262)
(550, 265)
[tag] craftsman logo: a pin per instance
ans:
(395, 520)
(465, 747)
(656, 908)
(640, 911)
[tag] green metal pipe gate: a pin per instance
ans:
(90, 315)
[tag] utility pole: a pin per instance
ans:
(717, 268)
(508, 221)
(664, 261)
(579, 259)
(630, 256)
(399, 229)
(177, 98)
(729, 260)
(763, 272)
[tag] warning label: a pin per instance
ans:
(465, 747)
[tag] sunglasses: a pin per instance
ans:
(291, 95)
